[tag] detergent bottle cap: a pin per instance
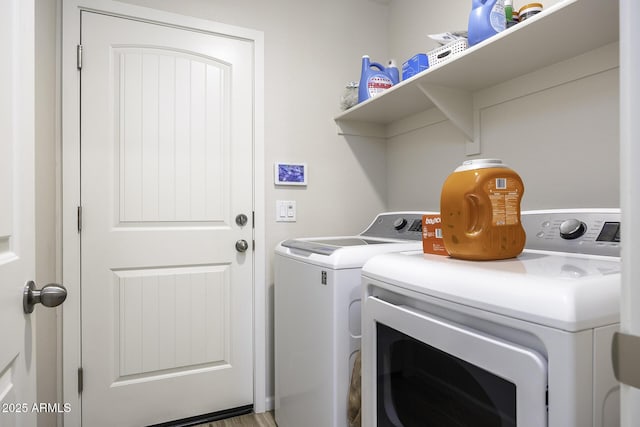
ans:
(480, 164)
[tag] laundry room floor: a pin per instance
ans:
(250, 420)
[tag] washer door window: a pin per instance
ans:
(431, 372)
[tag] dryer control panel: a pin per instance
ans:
(397, 225)
(583, 231)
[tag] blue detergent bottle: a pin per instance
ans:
(374, 79)
(486, 19)
(393, 72)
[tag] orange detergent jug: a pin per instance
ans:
(480, 211)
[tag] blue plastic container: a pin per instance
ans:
(419, 62)
(487, 18)
(374, 79)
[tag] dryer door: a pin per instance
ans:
(430, 370)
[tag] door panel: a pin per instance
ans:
(17, 240)
(166, 160)
(171, 318)
(172, 161)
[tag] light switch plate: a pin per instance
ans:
(286, 211)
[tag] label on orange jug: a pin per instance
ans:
(505, 194)
(432, 242)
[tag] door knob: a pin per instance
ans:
(242, 245)
(51, 295)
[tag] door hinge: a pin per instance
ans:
(323, 277)
(79, 219)
(80, 380)
(253, 219)
(79, 57)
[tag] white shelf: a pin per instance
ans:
(563, 31)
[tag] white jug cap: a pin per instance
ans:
(480, 164)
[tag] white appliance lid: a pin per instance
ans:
(327, 246)
(564, 291)
(344, 256)
(388, 232)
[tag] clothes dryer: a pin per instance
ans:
(524, 341)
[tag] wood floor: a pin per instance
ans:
(249, 420)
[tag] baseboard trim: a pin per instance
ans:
(269, 404)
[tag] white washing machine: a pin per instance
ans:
(522, 342)
(317, 316)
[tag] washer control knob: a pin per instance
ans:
(399, 223)
(572, 229)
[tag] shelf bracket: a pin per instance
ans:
(457, 105)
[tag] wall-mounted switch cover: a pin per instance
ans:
(285, 211)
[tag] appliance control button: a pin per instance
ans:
(399, 223)
(572, 229)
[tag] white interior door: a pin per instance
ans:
(17, 244)
(166, 166)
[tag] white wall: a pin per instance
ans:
(558, 127)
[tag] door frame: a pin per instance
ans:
(629, 197)
(71, 317)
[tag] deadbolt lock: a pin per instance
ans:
(241, 220)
